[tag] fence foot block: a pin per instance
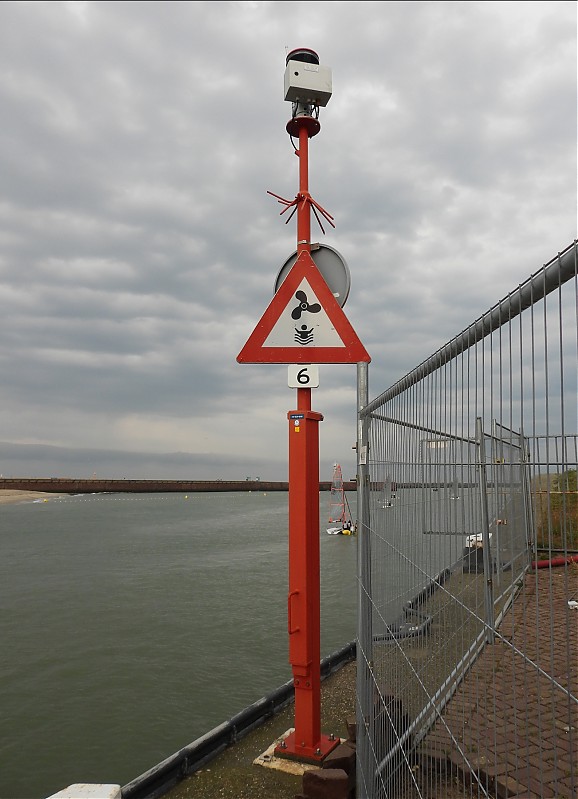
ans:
(343, 756)
(330, 783)
(351, 725)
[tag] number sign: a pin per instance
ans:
(300, 376)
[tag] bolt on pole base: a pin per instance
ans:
(293, 749)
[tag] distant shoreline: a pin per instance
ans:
(10, 496)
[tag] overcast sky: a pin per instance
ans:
(139, 248)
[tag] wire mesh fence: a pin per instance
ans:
(468, 559)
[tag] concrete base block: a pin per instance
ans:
(87, 790)
(268, 759)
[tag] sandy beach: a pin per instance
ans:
(8, 496)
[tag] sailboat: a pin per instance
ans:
(339, 511)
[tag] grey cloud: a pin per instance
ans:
(138, 246)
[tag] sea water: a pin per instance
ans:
(132, 624)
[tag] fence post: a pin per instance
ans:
(530, 536)
(488, 565)
(364, 610)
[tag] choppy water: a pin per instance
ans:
(130, 625)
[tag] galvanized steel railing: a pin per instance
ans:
(467, 484)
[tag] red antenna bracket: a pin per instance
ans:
(303, 199)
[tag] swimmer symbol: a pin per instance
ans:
(303, 336)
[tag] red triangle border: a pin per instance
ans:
(353, 350)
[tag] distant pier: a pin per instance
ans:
(67, 485)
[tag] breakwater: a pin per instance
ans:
(68, 485)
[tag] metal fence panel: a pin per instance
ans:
(468, 553)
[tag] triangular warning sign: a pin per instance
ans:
(303, 324)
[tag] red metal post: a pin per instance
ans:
(303, 600)
(303, 605)
(303, 208)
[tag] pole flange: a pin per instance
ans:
(292, 749)
(311, 125)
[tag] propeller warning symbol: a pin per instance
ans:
(304, 306)
(303, 335)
